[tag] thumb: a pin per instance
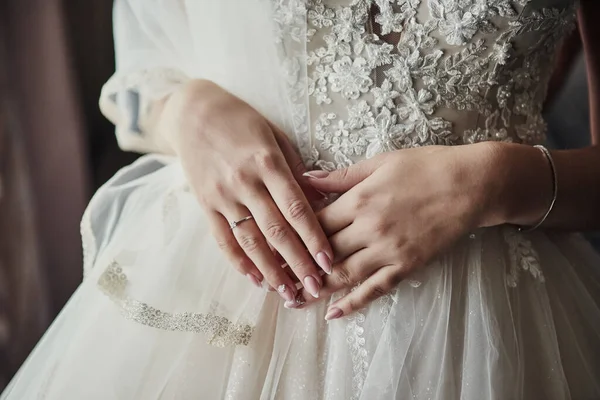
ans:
(340, 180)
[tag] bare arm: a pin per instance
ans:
(520, 192)
(381, 232)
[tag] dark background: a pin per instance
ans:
(88, 25)
(56, 149)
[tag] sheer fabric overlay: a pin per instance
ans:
(161, 314)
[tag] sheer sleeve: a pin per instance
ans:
(153, 53)
(255, 49)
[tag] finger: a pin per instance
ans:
(296, 165)
(282, 237)
(379, 284)
(292, 276)
(234, 253)
(347, 274)
(282, 263)
(295, 208)
(278, 256)
(341, 180)
(348, 241)
(254, 245)
(338, 215)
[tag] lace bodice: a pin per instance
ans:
(360, 77)
(391, 74)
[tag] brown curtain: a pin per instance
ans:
(43, 171)
(88, 26)
(23, 296)
(55, 150)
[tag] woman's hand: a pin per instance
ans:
(398, 211)
(239, 164)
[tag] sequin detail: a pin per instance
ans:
(221, 331)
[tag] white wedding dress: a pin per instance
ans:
(160, 314)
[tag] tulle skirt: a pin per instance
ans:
(161, 315)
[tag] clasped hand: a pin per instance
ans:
(397, 212)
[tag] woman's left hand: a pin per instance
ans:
(398, 211)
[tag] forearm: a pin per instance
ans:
(150, 124)
(195, 102)
(155, 137)
(518, 178)
(519, 188)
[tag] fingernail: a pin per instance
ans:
(325, 195)
(324, 262)
(333, 313)
(312, 285)
(290, 304)
(285, 292)
(254, 280)
(316, 174)
(297, 302)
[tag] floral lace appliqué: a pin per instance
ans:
(385, 75)
(522, 257)
(358, 350)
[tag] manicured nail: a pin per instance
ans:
(254, 280)
(324, 262)
(312, 285)
(316, 174)
(297, 302)
(285, 292)
(290, 305)
(325, 195)
(333, 313)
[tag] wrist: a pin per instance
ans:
(181, 112)
(516, 184)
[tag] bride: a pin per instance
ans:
(387, 222)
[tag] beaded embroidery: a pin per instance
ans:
(385, 75)
(221, 332)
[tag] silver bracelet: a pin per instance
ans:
(554, 189)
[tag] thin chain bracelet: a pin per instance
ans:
(554, 189)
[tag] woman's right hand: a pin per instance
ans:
(239, 164)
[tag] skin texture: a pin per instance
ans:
(234, 176)
(380, 234)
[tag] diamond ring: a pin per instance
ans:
(234, 224)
